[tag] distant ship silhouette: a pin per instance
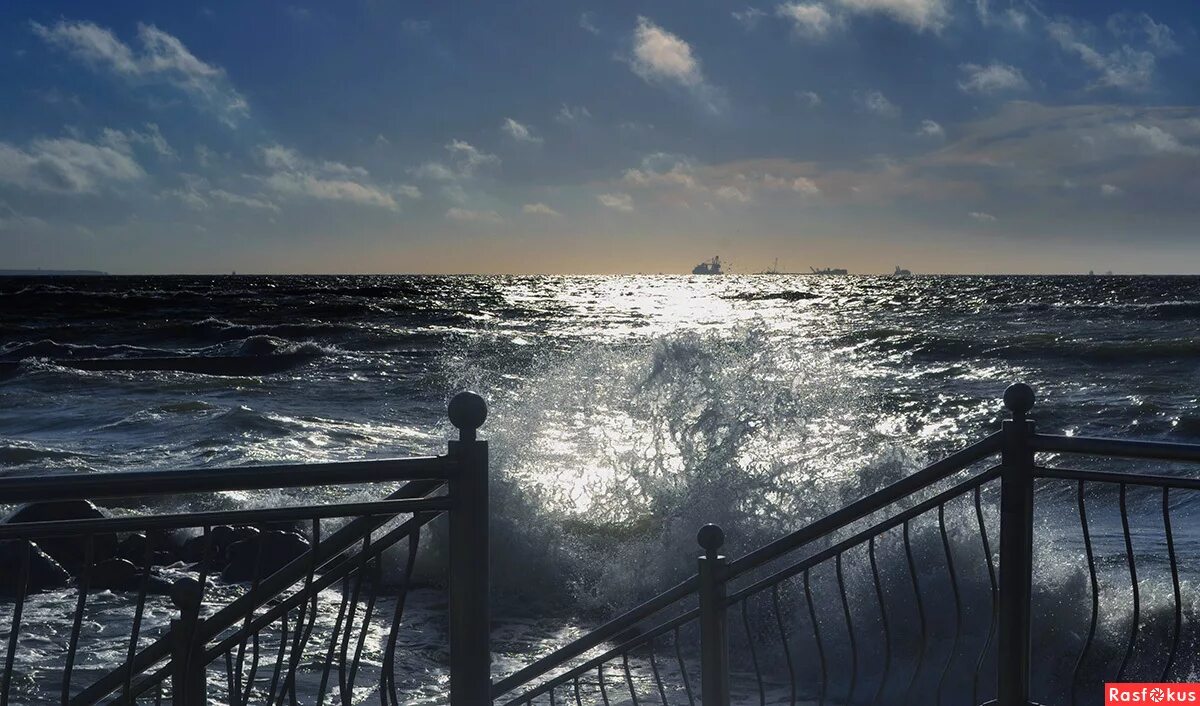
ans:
(712, 267)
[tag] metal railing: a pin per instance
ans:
(920, 593)
(262, 608)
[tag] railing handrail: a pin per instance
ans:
(1124, 448)
(123, 484)
(933, 473)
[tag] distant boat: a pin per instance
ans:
(773, 271)
(901, 272)
(829, 271)
(712, 267)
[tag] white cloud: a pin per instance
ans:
(519, 132)
(659, 55)
(982, 217)
(1126, 68)
(800, 185)
(992, 78)
(152, 137)
(67, 165)
(748, 18)
(11, 220)
(920, 14)
(875, 102)
(540, 209)
(1108, 190)
(239, 200)
(617, 202)
(163, 59)
(1154, 139)
(467, 215)
(465, 161)
(809, 20)
(931, 129)
(1141, 27)
(572, 114)
(295, 175)
(809, 98)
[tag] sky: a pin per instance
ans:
(600, 137)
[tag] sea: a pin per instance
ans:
(627, 411)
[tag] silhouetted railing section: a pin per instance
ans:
(260, 606)
(921, 593)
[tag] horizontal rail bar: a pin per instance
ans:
(860, 537)
(601, 659)
(596, 637)
(1161, 450)
(865, 506)
(202, 480)
(70, 528)
(1119, 478)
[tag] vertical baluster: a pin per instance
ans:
(1095, 589)
(758, 676)
(787, 650)
(816, 626)
(987, 554)
(1133, 584)
(1166, 509)
(849, 628)
(188, 666)
(958, 617)
(15, 632)
(89, 554)
(687, 686)
(137, 619)
(916, 585)
(883, 621)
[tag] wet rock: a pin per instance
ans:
(270, 551)
(163, 550)
(67, 551)
(123, 575)
(44, 572)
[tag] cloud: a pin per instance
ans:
(749, 17)
(809, 98)
(920, 14)
(68, 165)
(569, 114)
(540, 209)
(162, 59)
(467, 215)
(465, 161)
(675, 178)
(617, 202)
(292, 174)
(587, 21)
(659, 55)
(519, 132)
(11, 220)
(992, 78)
(152, 137)
(239, 200)
(1110, 191)
(982, 217)
(1124, 68)
(931, 129)
(874, 101)
(1141, 27)
(809, 20)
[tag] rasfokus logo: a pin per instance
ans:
(1139, 693)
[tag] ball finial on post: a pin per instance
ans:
(1019, 398)
(467, 412)
(186, 594)
(711, 538)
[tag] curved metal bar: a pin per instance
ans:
(344, 687)
(991, 567)
(15, 631)
(912, 572)
(89, 555)
(578, 698)
(812, 616)
(658, 682)
(883, 620)
(1182, 483)
(333, 640)
(603, 691)
(783, 638)
(957, 601)
(1166, 509)
(138, 613)
(687, 687)
(1095, 586)
(278, 670)
(387, 672)
(628, 679)
(849, 628)
(762, 693)
(1133, 628)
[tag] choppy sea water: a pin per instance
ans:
(625, 411)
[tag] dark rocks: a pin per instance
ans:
(123, 575)
(44, 572)
(67, 551)
(268, 551)
(162, 547)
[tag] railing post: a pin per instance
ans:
(1016, 549)
(714, 641)
(470, 647)
(188, 669)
